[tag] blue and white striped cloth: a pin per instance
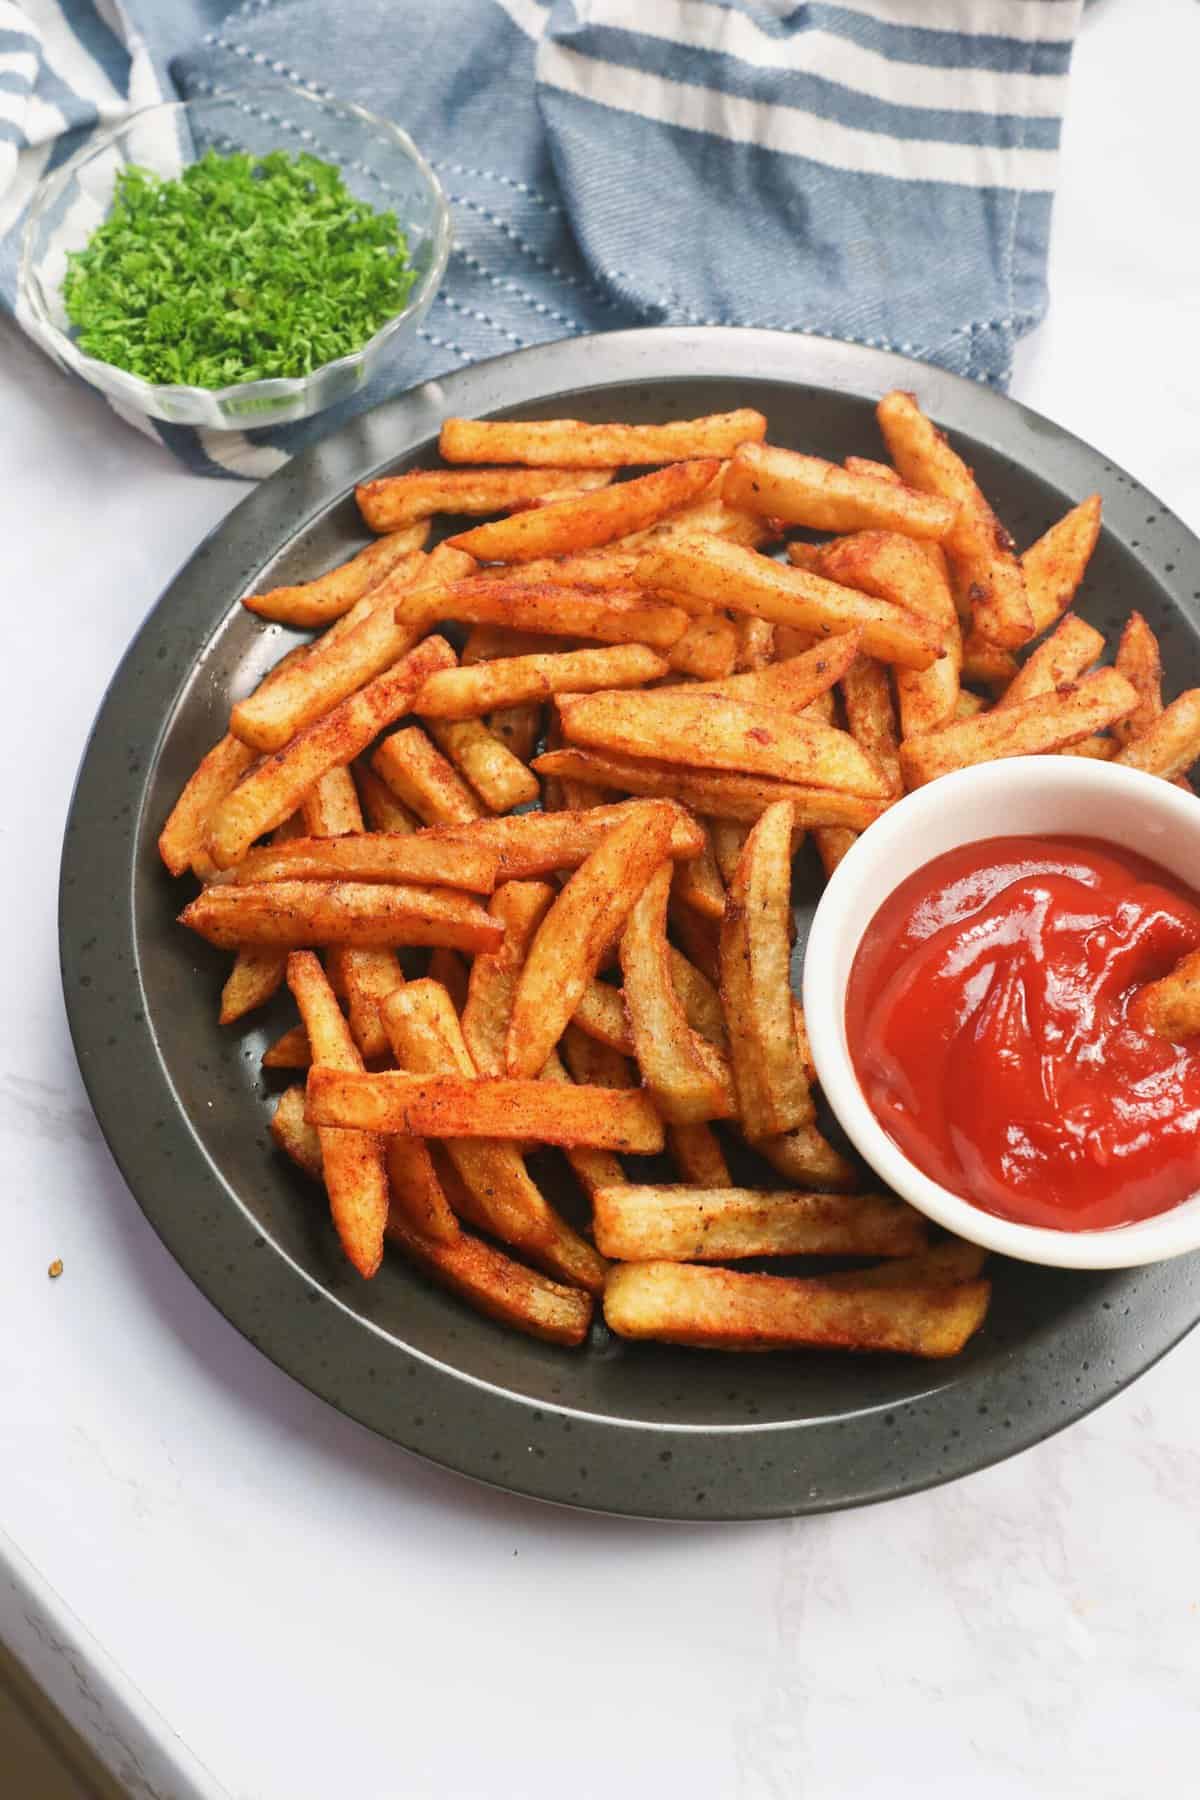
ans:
(875, 170)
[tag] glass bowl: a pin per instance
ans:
(379, 163)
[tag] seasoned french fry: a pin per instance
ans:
(329, 809)
(865, 465)
(317, 603)
(594, 1169)
(1055, 565)
(698, 883)
(723, 1309)
(294, 1135)
(1139, 660)
(756, 643)
(1095, 749)
(291, 1051)
(708, 648)
(393, 501)
(601, 1014)
(723, 794)
(696, 975)
(699, 1156)
(448, 969)
(589, 520)
(594, 1064)
(793, 684)
(806, 1159)
(727, 837)
(515, 680)
(273, 790)
(986, 664)
(256, 975)
(612, 566)
(979, 548)
(718, 574)
(365, 978)
(496, 1285)
(518, 728)
(520, 907)
(697, 1224)
(418, 1200)
(382, 809)
(375, 856)
(914, 575)
(1070, 650)
(832, 842)
(944, 1265)
(485, 643)
(806, 490)
(1170, 1008)
(352, 1161)
(1046, 722)
(968, 704)
(571, 443)
(1172, 744)
(613, 616)
(452, 1106)
(499, 778)
(183, 836)
(538, 843)
(292, 914)
(871, 715)
(577, 931)
(422, 778)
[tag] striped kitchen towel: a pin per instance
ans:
(874, 170)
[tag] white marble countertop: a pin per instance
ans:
(234, 1591)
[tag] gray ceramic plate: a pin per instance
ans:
(635, 1429)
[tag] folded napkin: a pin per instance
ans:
(874, 170)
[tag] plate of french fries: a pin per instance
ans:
(437, 883)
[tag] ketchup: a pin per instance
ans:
(987, 1019)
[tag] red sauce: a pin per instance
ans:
(987, 1018)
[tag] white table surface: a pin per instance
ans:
(233, 1591)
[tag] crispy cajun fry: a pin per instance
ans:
(833, 841)
(914, 575)
(365, 978)
(697, 1151)
(723, 794)
(520, 907)
(272, 791)
(696, 1224)
(726, 575)
(590, 520)
(537, 843)
(601, 1014)
(294, 1135)
(793, 684)
(512, 681)
(183, 836)
(871, 716)
(496, 1285)
(688, 1079)
(806, 1159)
(1055, 565)
(369, 915)
(396, 500)
(979, 548)
(317, 603)
(330, 808)
(518, 728)
(594, 1169)
(722, 1309)
(571, 443)
(1095, 749)
(756, 643)
(944, 1265)
(1046, 722)
(986, 664)
(1070, 650)
(382, 809)
(1139, 660)
(422, 778)
(695, 984)
(865, 465)
(727, 837)
(1172, 744)
(1170, 1008)
(708, 648)
(291, 1051)
(806, 490)
(485, 643)
(418, 1200)
(352, 1161)
(374, 856)
(254, 977)
(577, 931)
(499, 778)
(968, 704)
(614, 616)
(698, 883)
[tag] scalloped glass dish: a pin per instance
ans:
(379, 163)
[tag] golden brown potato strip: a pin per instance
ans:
(756, 643)
(871, 716)
(807, 490)
(382, 809)
(418, 1200)
(614, 566)
(689, 1080)
(808, 1160)
(369, 915)
(450, 971)
(1063, 658)
(944, 1265)
(1046, 722)
(613, 616)
(294, 1135)
(697, 1151)
(255, 976)
(1055, 565)
(866, 465)
(317, 603)
(1139, 660)
(832, 842)
(520, 907)
(697, 986)
(572, 443)
(793, 684)
(724, 575)
(1172, 744)
(518, 728)
(183, 836)
(484, 643)
(496, 1285)
(538, 843)
(499, 778)
(396, 500)
(708, 648)
(589, 520)
(986, 664)
(968, 704)
(329, 809)
(375, 856)
(727, 837)
(1095, 749)
(913, 575)
(724, 1309)
(698, 1224)
(601, 1014)
(725, 795)
(273, 790)
(772, 1090)
(422, 778)
(576, 932)
(515, 680)
(594, 1169)
(980, 550)
(698, 883)
(352, 1161)
(291, 1051)
(1170, 1008)
(364, 978)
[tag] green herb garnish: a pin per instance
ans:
(245, 267)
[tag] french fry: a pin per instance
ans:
(520, 907)
(364, 978)
(1064, 656)
(718, 574)
(944, 1265)
(723, 794)
(756, 643)
(329, 809)
(727, 837)
(1046, 722)
(518, 728)
(865, 465)
(256, 975)
(699, 1156)
(577, 931)
(499, 778)
(793, 684)
(317, 603)
(293, 914)
(688, 1078)
(594, 1169)
(968, 704)
(571, 443)
(914, 575)
(352, 1161)
(589, 520)
(595, 1064)
(612, 566)
(538, 843)
(496, 1285)
(871, 716)
(723, 1309)
(291, 1051)
(1095, 749)
(986, 664)
(613, 616)
(1170, 1008)
(601, 1014)
(697, 989)
(697, 1224)
(375, 856)
(1055, 565)
(698, 883)
(422, 778)
(382, 809)
(806, 490)
(772, 1090)
(393, 501)
(273, 790)
(448, 969)
(979, 548)
(516, 680)
(183, 836)
(832, 842)
(417, 1199)
(295, 1136)
(708, 732)
(708, 648)
(1139, 660)
(1172, 744)
(806, 1159)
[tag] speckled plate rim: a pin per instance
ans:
(967, 1422)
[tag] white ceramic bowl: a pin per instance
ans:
(1028, 794)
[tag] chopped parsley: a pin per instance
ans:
(245, 267)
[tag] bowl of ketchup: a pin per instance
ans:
(971, 988)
